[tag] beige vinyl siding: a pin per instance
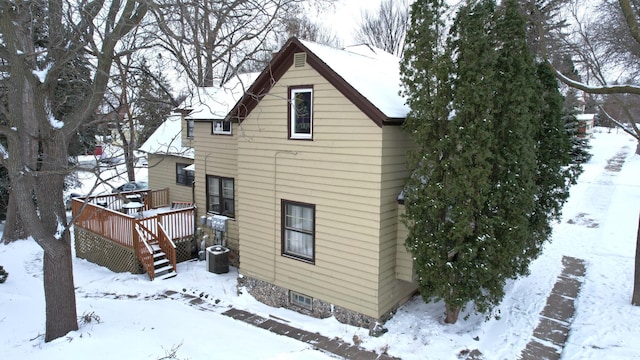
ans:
(216, 155)
(162, 174)
(404, 259)
(394, 173)
(339, 172)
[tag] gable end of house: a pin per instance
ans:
(295, 54)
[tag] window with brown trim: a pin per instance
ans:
(190, 128)
(300, 112)
(298, 222)
(184, 177)
(220, 195)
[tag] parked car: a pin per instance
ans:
(131, 186)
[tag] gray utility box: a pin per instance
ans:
(218, 259)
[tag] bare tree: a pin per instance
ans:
(385, 27)
(210, 40)
(300, 26)
(607, 50)
(38, 42)
(129, 90)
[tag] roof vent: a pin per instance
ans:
(299, 59)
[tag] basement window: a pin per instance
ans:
(301, 300)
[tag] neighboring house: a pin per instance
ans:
(206, 129)
(170, 163)
(307, 167)
(586, 123)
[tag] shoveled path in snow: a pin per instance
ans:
(556, 317)
(334, 346)
(279, 326)
(551, 334)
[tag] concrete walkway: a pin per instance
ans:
(334, 346)
(555, 319)
(547, 341)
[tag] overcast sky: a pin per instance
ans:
(344, 20)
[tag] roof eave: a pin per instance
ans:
(279, 65)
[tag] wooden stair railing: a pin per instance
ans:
(167, 245)
(144, 251)
(150, 240)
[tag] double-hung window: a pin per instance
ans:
(183, 176)
(301, 112)
(298, 230)
(220, 195)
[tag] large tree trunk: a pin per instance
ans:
(635, 299)
(14, 228)
(59, 291)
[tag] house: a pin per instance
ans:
(305, 169)
(170, 163)
(586, 123)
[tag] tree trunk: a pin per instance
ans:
(59, 291)
(635, 300)
(14, 228)
(452, 312)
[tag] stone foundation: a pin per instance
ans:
(277, 296)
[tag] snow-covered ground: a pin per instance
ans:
(135, 322)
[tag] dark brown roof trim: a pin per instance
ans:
(281, 63)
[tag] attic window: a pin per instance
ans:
(300, 112)
(299, 59)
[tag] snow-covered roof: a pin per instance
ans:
(371, 71)
(167, 139)
(212, 103)
(585, 117)
(369, 77)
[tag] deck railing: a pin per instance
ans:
(104, 221)
(100, 215)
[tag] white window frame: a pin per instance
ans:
(301, 300)
(293, 118)
(217, 127)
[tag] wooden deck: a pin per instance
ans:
(154, 223)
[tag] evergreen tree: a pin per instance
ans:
(555, 172)
(490, 165)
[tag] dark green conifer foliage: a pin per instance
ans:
(490, 164)
(516, 107)
(554, 168)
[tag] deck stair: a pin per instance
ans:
(162, 268)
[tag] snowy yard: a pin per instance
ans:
(126, 316)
